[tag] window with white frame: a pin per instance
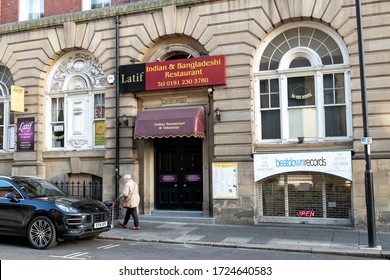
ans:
(31, 9)
(95, 4)
(99, 116)
(57, 121)
(302, 86)
(7, 117)
(76, 103)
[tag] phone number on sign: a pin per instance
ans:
(184, 82)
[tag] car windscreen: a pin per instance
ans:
(36, 187)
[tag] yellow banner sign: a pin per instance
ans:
(99, 133)
(17, 99)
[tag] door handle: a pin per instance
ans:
(185, 185)
(175, 185)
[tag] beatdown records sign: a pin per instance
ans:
(180, 73)
(338, 163)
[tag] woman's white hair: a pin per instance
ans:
(127, 177)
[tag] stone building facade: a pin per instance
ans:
(285, 146)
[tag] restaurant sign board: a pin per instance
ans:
(25, 134)
(180, 73)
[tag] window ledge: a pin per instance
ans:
(78, 153)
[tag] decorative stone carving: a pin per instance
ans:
(77, 82)
(77, 143)
(79, 71)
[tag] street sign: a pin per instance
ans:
(366, 140)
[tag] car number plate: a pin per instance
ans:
(100, 225)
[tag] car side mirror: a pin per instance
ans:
(12, 196)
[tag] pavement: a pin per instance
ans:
(281, 237)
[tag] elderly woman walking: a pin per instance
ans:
(131, 201)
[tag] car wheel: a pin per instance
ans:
(41, 233)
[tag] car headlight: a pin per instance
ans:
(66, 208)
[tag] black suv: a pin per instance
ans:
(35, 208)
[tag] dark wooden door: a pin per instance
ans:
(179, 182)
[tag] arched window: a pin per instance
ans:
(7, 118)
(302, 86)
(76, 103)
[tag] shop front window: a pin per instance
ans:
(302, 87)
(305, 196)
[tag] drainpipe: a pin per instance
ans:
(369, 188)
(117, 123)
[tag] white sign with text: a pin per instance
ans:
(338, 163)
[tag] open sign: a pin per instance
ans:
(306, 213)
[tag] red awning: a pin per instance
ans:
(188, 122)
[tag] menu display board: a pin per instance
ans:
(225, 180)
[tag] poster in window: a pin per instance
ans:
(225, 182)
(11, 137)
(99, 133)
(25, 134)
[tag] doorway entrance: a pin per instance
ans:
(179, 182)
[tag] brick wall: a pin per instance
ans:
(9, 11)
(57, 7)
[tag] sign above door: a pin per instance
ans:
(180, 73)
(187, 122)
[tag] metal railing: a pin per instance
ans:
(82, 189)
